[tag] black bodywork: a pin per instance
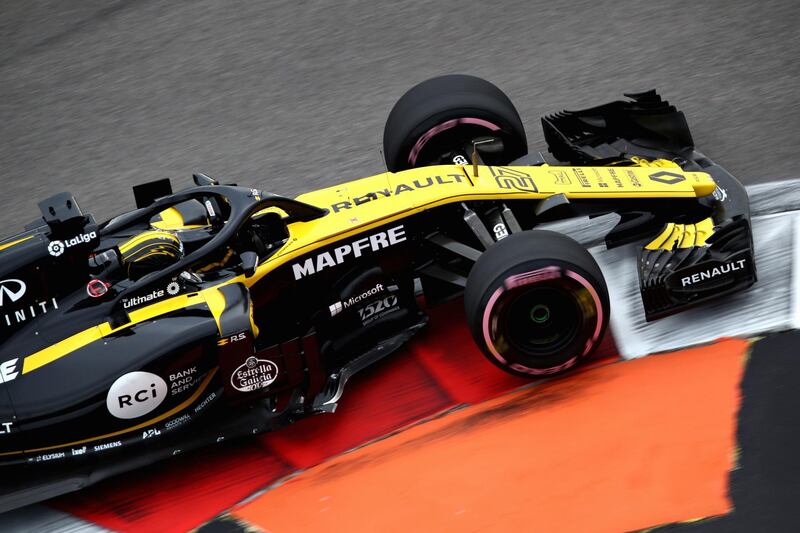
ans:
(250, 358)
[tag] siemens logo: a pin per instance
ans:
(340, 254)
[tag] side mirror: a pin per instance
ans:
(485, 145)
(201, 180)
(147, 193)
(489, 145)
(249, 263)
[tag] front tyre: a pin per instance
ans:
(536, 303)
(441, 116)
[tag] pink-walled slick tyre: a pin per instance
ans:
(536, 303)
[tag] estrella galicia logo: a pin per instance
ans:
(510, 178)
(670, 178)
(11, 289)
(254, 374)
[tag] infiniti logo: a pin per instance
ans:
(13, 289)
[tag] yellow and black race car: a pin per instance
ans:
(219, 311)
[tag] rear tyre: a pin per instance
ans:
(536, 303)
(440, 116)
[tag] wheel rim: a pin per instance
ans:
(542, 322)
(431, 144)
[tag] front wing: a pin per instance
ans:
(684, 263)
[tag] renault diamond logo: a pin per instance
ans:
(670, 178)
(11, 289)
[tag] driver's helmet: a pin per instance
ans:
(150, 251)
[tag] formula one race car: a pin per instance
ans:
(220, 311)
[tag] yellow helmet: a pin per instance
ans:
(150, 251)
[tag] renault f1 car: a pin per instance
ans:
(220, 311)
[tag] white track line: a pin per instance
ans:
(41, 518)
(795, 312)
(767, 306)
(772, 304)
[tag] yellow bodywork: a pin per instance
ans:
(172, 220)
(677, 236)
(359, 206)
(13, 243)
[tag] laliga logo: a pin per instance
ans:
(57, 248)
(13, 289)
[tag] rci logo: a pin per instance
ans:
(670, 178)
(135, 394)
(509, 178)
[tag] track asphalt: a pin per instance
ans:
(99, 95)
